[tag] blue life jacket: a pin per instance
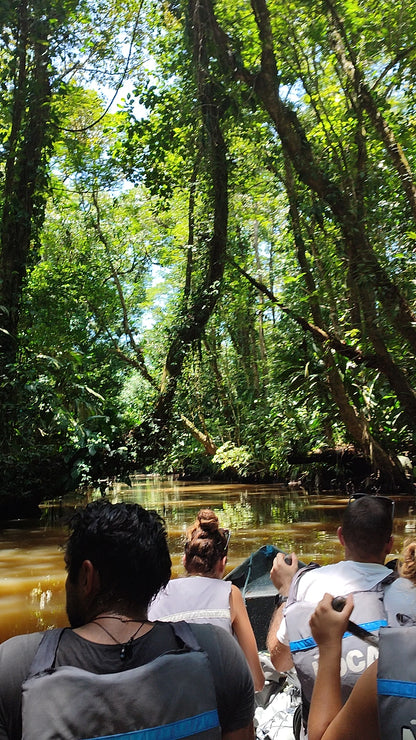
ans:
(396, 683)
(170, 698)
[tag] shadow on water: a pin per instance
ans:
(32, 574)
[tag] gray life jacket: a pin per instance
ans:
(356, 655)
(396, 683)
(171, 697)
(194, 599)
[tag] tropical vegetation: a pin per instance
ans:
(207, 242)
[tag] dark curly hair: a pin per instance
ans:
(127, 545)
(206, 543)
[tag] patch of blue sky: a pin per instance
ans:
(163, 293)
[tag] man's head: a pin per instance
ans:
(117, 559)
(366, 529)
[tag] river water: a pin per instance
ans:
(32, 574)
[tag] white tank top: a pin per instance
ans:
(194, 599)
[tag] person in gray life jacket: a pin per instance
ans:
(173, 677)
(203, 596)
(382, 703)
(366, 535)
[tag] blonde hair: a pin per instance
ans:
(206, 543)
(407, 565)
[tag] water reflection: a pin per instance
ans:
(32, 574)
(31, 578)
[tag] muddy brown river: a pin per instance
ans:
(32, 574)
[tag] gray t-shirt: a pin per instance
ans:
(232, 678)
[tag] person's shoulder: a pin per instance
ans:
(401, 585)
(210, 632)
(312, 582)
(226, 657)
(310, 572)
(215, 640)
(334, 567)
(331, 570)
(174, 586)
(21, 643)
(17, 653)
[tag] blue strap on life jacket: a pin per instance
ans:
(183, 728)
(387, 687)
(308, 642)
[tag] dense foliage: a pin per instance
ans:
(219, 274)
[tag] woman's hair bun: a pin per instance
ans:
(208, 520)
(205, 544)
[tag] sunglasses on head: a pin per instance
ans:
(388, 502)
(227, 535)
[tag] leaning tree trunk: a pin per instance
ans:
(365, 98)
(202, 299)
(265, 85)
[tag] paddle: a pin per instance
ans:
(338, 604)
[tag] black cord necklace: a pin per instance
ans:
(120, 619)
(125, 647)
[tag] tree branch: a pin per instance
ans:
(320, 335)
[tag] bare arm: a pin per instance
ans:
(328, 718)
(245, 636)
(245, 733)
(281, 575)
(358, 718)
(280, 654)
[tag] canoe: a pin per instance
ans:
(278, 702)
(252, 577)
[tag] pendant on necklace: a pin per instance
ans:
(126, 650)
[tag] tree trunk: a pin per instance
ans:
(346, 56)
(354, 422)
(25, 179)
(202, 437)
(227, 409)
(265, 84)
